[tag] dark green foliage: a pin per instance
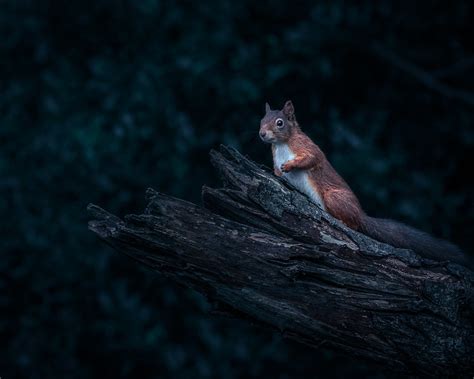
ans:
(101, 99)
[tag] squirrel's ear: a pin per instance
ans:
(289, 110)
(267, 107)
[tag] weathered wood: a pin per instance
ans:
(262, 251)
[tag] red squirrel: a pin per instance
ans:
(297, 158)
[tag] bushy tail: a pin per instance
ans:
(400, 235)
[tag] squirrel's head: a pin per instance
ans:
(277, 125)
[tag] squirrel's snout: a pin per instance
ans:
(266, 135)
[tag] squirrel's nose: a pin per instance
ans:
(263, 133)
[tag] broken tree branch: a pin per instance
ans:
(261, 250)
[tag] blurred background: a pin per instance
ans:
(101, 99)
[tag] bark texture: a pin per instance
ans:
(262, 251)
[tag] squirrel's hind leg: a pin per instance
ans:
(342, 205)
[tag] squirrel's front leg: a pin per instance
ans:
(288, 166)
(300, 161)
(276, 169)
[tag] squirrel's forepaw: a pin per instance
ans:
(286, 167)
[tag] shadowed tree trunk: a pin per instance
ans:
(262, 251)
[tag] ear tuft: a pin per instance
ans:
(289, 110)
(267, 107)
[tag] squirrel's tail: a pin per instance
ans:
(400, 235)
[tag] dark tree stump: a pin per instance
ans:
(261, 250)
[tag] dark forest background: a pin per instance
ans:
(101, 99)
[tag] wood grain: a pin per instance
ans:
(260, 250)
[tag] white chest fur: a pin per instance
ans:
(298, 178)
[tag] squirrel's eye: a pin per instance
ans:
(279, 122)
